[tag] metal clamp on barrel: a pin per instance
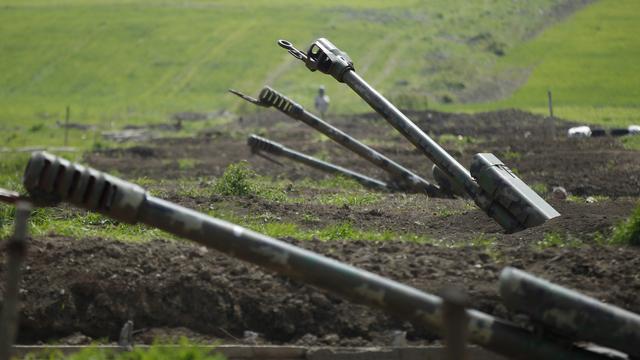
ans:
(50, 180)
(269, 97)
(324, 56)
(257, 143)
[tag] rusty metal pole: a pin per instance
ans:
(66, 126)
(16, 252)
(456, 322)
(549, 127)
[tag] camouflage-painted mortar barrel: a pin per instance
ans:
(50, 179)
(493, 187)
(402, 178)
(258, 143)
(570, 313)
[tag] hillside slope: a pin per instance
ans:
(591, 63)
(126, 61)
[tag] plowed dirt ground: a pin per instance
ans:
(168, 287)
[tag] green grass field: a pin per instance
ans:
(591, 62)
(132, 62)
(123, 62)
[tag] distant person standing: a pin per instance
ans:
(322, 101)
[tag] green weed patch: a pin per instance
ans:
(628, 232)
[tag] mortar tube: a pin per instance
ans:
(407, 179)
(357, 285)
(412, 132)
(258, 143)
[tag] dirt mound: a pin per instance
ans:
(598, 166)
(93, 286)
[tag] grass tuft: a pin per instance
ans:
(631, 142)
(184, 350)
(239, 180)
(557, 240)
(339, 231)
(540, 188)
(236, 180)
(628, 232)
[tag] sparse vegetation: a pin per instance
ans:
(446, 212)
(458, 142)
(186, 164)
(355, 198)
(511, 155)
(333, 182)
(345, 230)
(587, 199)
(540, 188)
(77, 224)
(182, 351)
(488, 244)
(632, 142)
(628, 232)
(237, 180)
(556, 239)
(339, 231)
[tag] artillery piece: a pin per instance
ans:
(50, 180)
(258, 144)
(490, 183)
(402, 178)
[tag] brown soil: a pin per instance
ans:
(93, 286)
(596, 166)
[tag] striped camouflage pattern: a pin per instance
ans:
(566, 311)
